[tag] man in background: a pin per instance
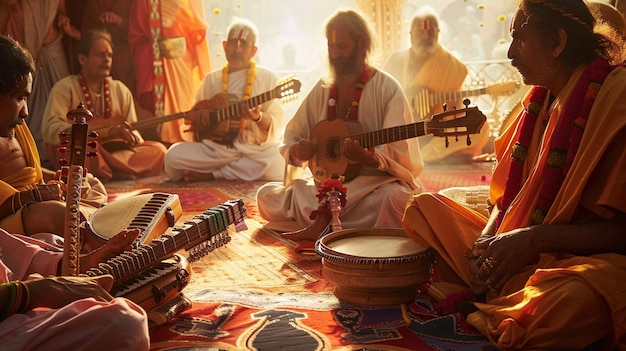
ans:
(428, 65)
(122, 152)
(354, 91)
(245, 144)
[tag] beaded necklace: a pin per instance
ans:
(564, 143)
(89, 100)
(354, 106)
(251, 76)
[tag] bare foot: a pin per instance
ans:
(313, 232)
(193, 176)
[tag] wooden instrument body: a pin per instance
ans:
(223, 128)
(157, 285)
(152, 213)
(374, 266)
(329, 159)
(329, 136)
(199, 236)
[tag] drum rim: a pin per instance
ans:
(327, 253)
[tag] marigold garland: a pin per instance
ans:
(250, 78)
(565, 141)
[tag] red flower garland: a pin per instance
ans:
(324, 190)
(564, 144)
(354, 107)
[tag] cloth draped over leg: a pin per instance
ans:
(563, 301)
(85, 324)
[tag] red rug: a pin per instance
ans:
(257, 293)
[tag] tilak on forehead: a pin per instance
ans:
(333, 36)
(241, 34)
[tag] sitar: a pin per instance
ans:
(329, 136)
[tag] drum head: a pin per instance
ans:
(388, 244)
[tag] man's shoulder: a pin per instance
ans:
(65, 81)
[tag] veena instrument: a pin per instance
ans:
(139, 273)
(329, 137)
(423, 100)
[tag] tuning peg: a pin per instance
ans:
(447, 141)
(466, 102)
(63, 162)
(444, 106)
(62, 149)
(92, 144)
(92, 154)
(93, 134)
(468, 141)
(80, 112)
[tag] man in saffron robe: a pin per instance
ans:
(547, 267)
(170, 55)
(428, 65)
(248, 148)
(354, 91)
(122, 152)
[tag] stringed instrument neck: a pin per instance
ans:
(329, 137)
(75, 173)
(199, 236)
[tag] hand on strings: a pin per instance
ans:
(114, 246)
(123, 132)
(303, 150)
(198, 119)
(252, 114)
(57, 292)
(355, 152)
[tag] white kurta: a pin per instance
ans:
(373, 199)
(65, 96)
(253, 155)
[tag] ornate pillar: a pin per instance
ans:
(387, 18)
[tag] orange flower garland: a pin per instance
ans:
(250, 78)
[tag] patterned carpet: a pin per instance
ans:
(257, 293)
